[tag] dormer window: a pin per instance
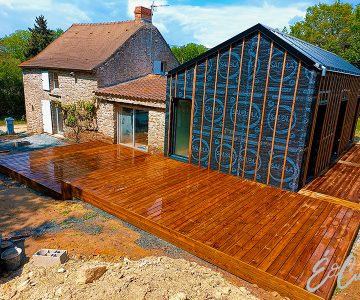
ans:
(159, 67)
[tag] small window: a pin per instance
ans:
(159, 67)
(54, 80)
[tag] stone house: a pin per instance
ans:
(91, 59)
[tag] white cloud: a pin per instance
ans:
(211, 25)
(58, 13)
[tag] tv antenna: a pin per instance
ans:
(154, 7)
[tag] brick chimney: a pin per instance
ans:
(143, 14)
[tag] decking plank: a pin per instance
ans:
(263, 234)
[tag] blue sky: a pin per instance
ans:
(183, 21)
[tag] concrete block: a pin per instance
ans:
(50, 257)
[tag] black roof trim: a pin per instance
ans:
(279, 38)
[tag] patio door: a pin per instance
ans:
(132, 129)
(181, 127)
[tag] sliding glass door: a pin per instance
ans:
(133, 127)
(127, 126)
(181, 127)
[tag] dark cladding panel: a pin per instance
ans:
(208, 109)
(230, 108)
(189, 83)
(213, 126)
(256, 107)
(219, 109)
(243, 103)
(180, 85)
(270, 112)
(284, 112)
(198, 107)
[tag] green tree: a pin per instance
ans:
(334, 27)
(41, 36)
(16, 44)
(57, 32)
(80, 116)
(11, 87)
(187, 52)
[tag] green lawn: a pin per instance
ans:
(2, 122)
(357, 131)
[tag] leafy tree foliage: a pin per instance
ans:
(187, 52)
(14, 49)
(80, 116)
(11, 87)
(334, 27)
(16, 44)
(41, 36)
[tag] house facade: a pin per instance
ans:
(263, 106)
(91, 57)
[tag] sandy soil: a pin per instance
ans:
(18, 128)
(90, 234)
(148, 278)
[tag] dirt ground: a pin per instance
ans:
(18, 128)
(90, 234)
(148, 278)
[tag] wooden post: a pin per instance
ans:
(225, 101)
(185, 74)
(236, 104)
(276, 116)
(66, 191)
(250, 105)
(290, 124)
(213, 110)
(321, 84)
(324, 128)
(192, 111)
(263, 109)
(169, 119)
(202, 110)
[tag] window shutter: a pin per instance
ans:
(158, 67)
(45, 80)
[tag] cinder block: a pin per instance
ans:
(50, 257)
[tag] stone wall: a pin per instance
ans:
(156, 131)
(135, 58)
(71, 88)
(34, 93)
(106, 119)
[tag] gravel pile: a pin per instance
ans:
(30, 143)
(148, 278)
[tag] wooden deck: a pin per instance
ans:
(262, 234)
(341, 182)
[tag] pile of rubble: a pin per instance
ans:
(149, 278)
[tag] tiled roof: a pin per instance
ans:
(310, 54)
(84, 46)
(149, 87)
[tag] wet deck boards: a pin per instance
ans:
(262, 234)
(342, 181)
